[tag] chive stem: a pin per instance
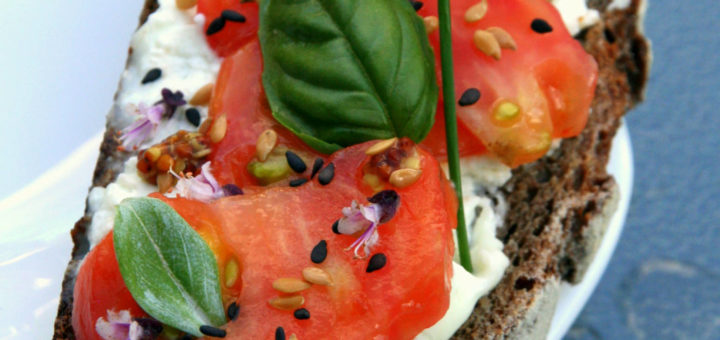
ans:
(448, 87)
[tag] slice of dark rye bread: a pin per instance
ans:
(558, 207)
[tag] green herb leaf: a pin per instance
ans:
(341, 72)
(168, 268)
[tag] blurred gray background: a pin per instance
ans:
(663, 281)
(58, 77)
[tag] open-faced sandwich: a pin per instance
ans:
(275, 169)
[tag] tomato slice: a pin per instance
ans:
(239, 95)
(99, 287)
(234, 34)
(270, 233)
(549, 79)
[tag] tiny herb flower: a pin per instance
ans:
(356, 218)
(118, 326)
(203, 187)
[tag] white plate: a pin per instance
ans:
(35, 244)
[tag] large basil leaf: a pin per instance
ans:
(341, 72)
(168, 268)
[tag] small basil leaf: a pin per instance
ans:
(341, 72)
(168, 268)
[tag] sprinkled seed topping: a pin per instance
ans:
(417, 5)
(301, 314)
(335, 227)
(317, 165)
(298, 182)
(469, 97)
(290, 285)
(279, 333)
(213, 331)
(193, 116)
(182, 152)
(185, 4)
(541, 26)
(376, 262)
(287, 302)
(327, 174)
(319, 252)
(232, 311)
(503, 38)
(476, 12)
(486, 43)
(215, 26)
(506, 111)
(295, 162)
(231, 272)
(404, 177)
(231, 15)
(151, 76)
(265, 144)
(202, 96)
(218, 129)
(232, 190)
(317, 276)
(380, 146)
(431, 23)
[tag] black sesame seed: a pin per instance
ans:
(326, 175)
(233, 311)
(317, 165)
(215, 26)
(417, 5)
(301, 314)
(232, 190)
(231, 15)
(335, 227)
(296, 163)
(152, 76)
(193, 116)
(279, 333)
(213, 331)
(376, 262)
(298, 182)
(541, 26)
(469, 97)
(319, 252)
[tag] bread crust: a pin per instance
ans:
(556, 205)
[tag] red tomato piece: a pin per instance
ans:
(233, 35)
(272, 233)
(549, 79)
(99, 287)
(239, 95)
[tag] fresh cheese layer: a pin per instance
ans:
(173, 41)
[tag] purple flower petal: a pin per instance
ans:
(203, 187)
(118, 326)
(356, 218)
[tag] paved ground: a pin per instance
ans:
(662, 282)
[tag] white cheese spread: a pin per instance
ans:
(575, 14)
